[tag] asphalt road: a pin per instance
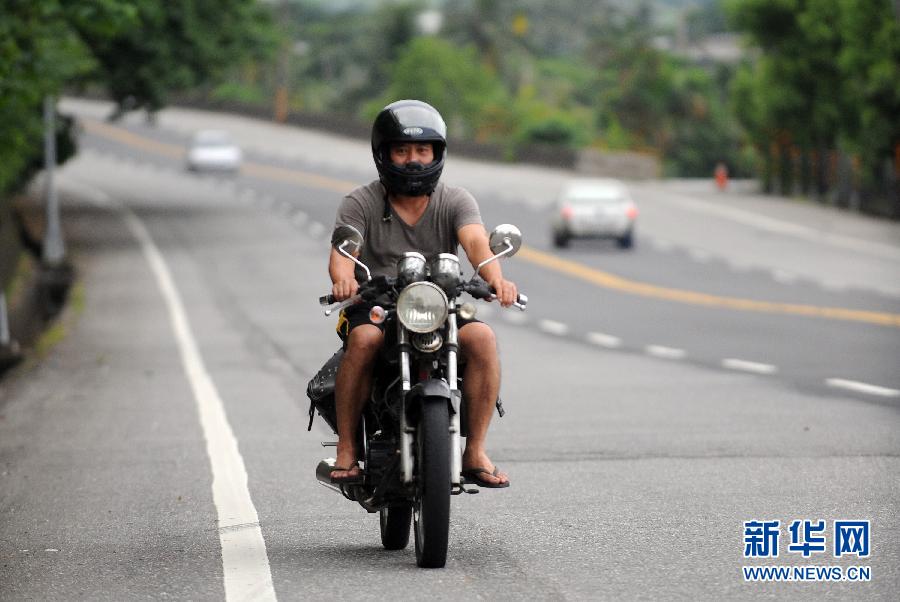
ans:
(635, 449)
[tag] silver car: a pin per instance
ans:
(594, 208)
(213, 150)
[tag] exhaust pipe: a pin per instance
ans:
(323, 474)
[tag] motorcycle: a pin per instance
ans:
(411, 427)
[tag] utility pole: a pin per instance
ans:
(56, 273)
(54, 252)
(282, 94)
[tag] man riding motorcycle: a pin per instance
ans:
(406, 209)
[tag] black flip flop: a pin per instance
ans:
(472, 477)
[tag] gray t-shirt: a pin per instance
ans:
(449, 209)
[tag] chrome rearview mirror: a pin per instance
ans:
(505, 240)
(346, 237)
(347, 241)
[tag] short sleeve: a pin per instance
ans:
(465, 209)
(352, 213)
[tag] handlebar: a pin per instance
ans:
(333, 307)
(480, 289)
(368, 291)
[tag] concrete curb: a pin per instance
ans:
(39, 292)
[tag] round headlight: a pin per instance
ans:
(422, 307)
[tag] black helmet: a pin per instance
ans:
(409, 121)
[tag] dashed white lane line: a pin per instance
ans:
(834, 287)
(514, 317)
(669, 353)
(483, 310)
(853, 385)
(316, 229)
(662, 245)
(738, 265)
(554, 327)
(245, 563)
(748, 366)
(699, 255)
(784, 277)
(604, 340)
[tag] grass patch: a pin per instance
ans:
(20, 278)
(50, 339)
(77, 298)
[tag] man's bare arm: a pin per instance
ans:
(474, 241)
(343, 276)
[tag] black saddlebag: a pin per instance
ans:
(320, 391)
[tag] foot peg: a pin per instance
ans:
(458, 489)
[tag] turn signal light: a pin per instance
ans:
(377, 315)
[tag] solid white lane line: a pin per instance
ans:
(553, 327)
(245, 564)
(748, 366)
(669, 353)
(604, 340)
(853, 385)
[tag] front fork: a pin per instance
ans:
(406, 431)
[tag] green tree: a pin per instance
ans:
(454, 81)
(138, 50)
(870, 62)
(174, 46)
(796, 84)
(827, 78)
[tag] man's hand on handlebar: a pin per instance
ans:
(506, 291)
(344, 289)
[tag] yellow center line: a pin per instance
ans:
(643, 289)
(534, 256)
(131, 139)
(257, 170)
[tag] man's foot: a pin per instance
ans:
(346, 475)
(488, 475)
(480, 476)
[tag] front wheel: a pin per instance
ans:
(395, 521)
(431, 516)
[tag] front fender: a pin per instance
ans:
(433, 390)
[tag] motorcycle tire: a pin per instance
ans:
(431, 515)
(395, 524)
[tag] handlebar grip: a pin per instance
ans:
(326, 299)
(521, 300)
(330, 309)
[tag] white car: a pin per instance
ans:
(594, 208)
(213, 150)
